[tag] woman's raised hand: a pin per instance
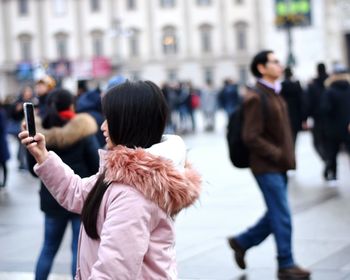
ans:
(35, 145)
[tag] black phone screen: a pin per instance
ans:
(29, 118)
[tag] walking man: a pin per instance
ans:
(267, 134)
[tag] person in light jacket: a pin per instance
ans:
(128, 207)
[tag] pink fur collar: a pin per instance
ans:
(153, 176)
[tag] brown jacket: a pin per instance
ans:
(269, 137)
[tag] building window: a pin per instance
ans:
(25, 47)
(97, 43)
(62, 45)
(208, 76)
(134, 43)
(169, 41)
(203, 2)
(59, 7)
(241, 29)
(205, 32)
(172, 75)
(131, 4)
(167, 3)
(95, 5)
(23, 8)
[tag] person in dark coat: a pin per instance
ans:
(292, 93)
(4, 149)
(90, 102)
(314, 99)
(228, 97)
(337, 114)
(72, 137)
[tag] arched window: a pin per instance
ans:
(97, 43)
(95, 5)
(167, 3)
(23, 8)
(131, 4)
(203, 2)
(169, 40)
(25, 47)
(205, 33)
(61, 45)
(134, 42)
(241, 29)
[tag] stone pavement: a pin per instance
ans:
(230, 202)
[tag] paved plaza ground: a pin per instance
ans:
(230, 202)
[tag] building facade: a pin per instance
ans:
(161, 40)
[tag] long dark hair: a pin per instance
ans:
(136, 113)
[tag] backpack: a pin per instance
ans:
(239, 153)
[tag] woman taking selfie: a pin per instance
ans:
(128, 207)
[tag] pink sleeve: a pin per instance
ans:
(125, 237)
(66, 187)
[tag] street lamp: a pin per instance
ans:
(289, 14)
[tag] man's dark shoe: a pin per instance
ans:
(239, 252)
(294, 272)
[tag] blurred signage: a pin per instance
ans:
(82, 69)
(101, 67)
(24, 71)
(60, 69)
(290, 13)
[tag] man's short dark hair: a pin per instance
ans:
(259, 58)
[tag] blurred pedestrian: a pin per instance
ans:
(171, 96)
(43, 86)
(128, 207)
(4, 150)
(90, 102)
(228, 97)
(270, 143)
(72, 137)
(337, 117)
(314, 100)
(209, 105)
(292, 93)
(17, 115)
(188, 101)
(82, 87)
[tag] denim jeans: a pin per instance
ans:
(55, 227)
(277, 219)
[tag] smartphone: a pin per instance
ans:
(28, 109)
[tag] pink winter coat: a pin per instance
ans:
(135, 221)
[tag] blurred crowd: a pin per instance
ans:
(320, 105)
(71, 124)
